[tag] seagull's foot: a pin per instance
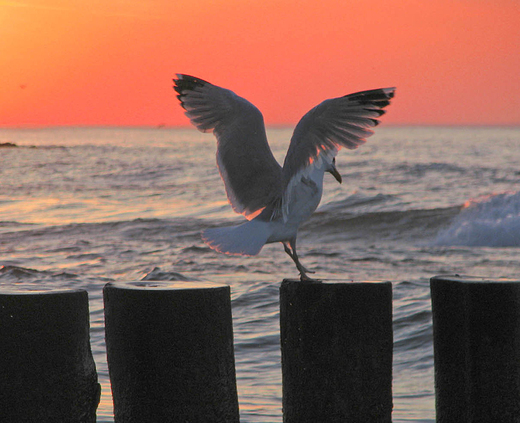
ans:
(303, 274)
(305, 278)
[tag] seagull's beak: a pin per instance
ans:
(334, 172)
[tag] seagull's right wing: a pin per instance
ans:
(339, 122)
(251, 174)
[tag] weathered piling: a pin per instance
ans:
(170, 352)
(476, 330)
(337, 344)
(47, 372)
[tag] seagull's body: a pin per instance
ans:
(276, 200)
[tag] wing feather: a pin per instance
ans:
(251, 174)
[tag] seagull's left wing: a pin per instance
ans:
(251, 174)
(335, 123)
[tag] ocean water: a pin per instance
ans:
(80, 207)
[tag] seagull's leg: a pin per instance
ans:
(300, 266)
(289, 252)
(294, 256)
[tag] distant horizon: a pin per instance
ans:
(273, 126)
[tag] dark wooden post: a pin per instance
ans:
(476, 329)
(337, 344)
(47, 372)
(170, 352)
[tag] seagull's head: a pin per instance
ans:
(331, 168)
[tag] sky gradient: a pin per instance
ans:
(79, 62)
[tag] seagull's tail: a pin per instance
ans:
(246, 239)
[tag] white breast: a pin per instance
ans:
(301, 200)
(305, 196)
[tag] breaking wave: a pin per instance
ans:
(490, 221)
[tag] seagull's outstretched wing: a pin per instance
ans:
(335, 123)
(251, 174)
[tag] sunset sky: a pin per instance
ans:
(98, 62)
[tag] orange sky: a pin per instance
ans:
(94, 62)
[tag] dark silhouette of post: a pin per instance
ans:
(47, 372)
(337, 344)
(476, 330)
(170, 352)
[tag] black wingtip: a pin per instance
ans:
(184, 83)
(373, 95)
(380, 112)
(380, 98)
(187, 82)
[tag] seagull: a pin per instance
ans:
(275, 200)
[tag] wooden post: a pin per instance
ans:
(170, 352)
(476, 330)
(337, 344)
(47, 372)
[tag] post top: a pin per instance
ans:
(472, 279)
(39, 291)
(331, 282)
(164, 285)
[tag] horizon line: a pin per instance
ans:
(268, 126)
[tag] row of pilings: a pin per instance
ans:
(171, 356)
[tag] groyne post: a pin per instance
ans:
(170, 352)
(47, 372)
(476, 329)
(337, 345)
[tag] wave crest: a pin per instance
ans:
(490, 221)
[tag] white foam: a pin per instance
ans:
(492, 221)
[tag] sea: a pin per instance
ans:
(81, 207)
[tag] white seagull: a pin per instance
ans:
(276, 200)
